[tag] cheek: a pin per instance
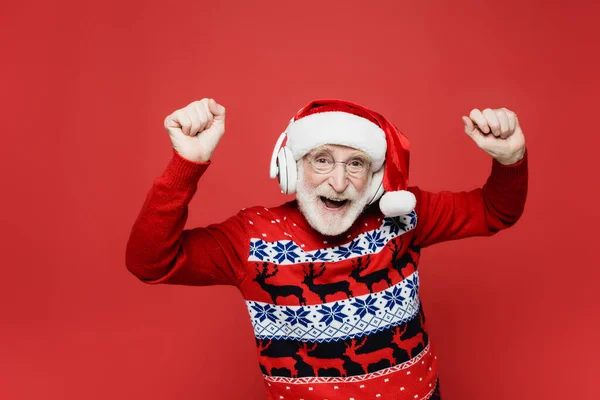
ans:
(313, 181)
(360, 184)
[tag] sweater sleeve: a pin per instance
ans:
(160, 250)
(484, 211)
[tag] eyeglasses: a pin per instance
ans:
(324, 163)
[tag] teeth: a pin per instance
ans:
(337, 201)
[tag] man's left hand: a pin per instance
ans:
(497, 132)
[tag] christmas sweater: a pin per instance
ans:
(333, 317)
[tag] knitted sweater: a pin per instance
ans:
(333, 317)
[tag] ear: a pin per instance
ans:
(376, 186)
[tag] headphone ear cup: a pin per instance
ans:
(376, 187)
(288, 174)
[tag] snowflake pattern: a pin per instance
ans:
(375, 240)
(285, 251)
(297, 316)
(264, 312)
(394, 297)
(257, 249)
(337, 320)
(395, 224)
(413, 218)
(413, 286)
(352, 248)
(320, 256)
(365, 306)
(332, 313)
(370, 242)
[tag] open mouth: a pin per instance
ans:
(331, 203)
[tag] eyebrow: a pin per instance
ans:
(327, 147)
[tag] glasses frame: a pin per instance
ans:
(360, 174)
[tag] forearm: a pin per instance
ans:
(157, 234)
(505, 192)
(447, 215)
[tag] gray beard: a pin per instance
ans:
(327, 223)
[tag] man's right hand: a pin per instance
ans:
(196, 129)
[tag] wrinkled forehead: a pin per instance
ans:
(339, 151)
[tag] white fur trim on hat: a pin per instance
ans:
(394, 204)
(337, 127)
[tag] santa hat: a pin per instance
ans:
(345, 123)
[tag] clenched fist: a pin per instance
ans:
(196, 129)
(497, 132)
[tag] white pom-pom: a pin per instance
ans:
(394, 204)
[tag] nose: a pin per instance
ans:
(338, 178)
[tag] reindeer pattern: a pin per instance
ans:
(350, 357)
(320, 282)
(274, 290)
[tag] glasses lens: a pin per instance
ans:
(323, 162)
(356, 166)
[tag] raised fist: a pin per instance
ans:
(196, 129)
(497, 132)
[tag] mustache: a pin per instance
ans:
(325, 190)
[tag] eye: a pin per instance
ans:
(323, 159)
(356, 163)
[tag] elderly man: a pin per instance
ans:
(330, 279)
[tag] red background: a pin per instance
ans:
(85, 88)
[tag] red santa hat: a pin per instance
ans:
(345, 123)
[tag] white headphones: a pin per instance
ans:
(283, 167)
